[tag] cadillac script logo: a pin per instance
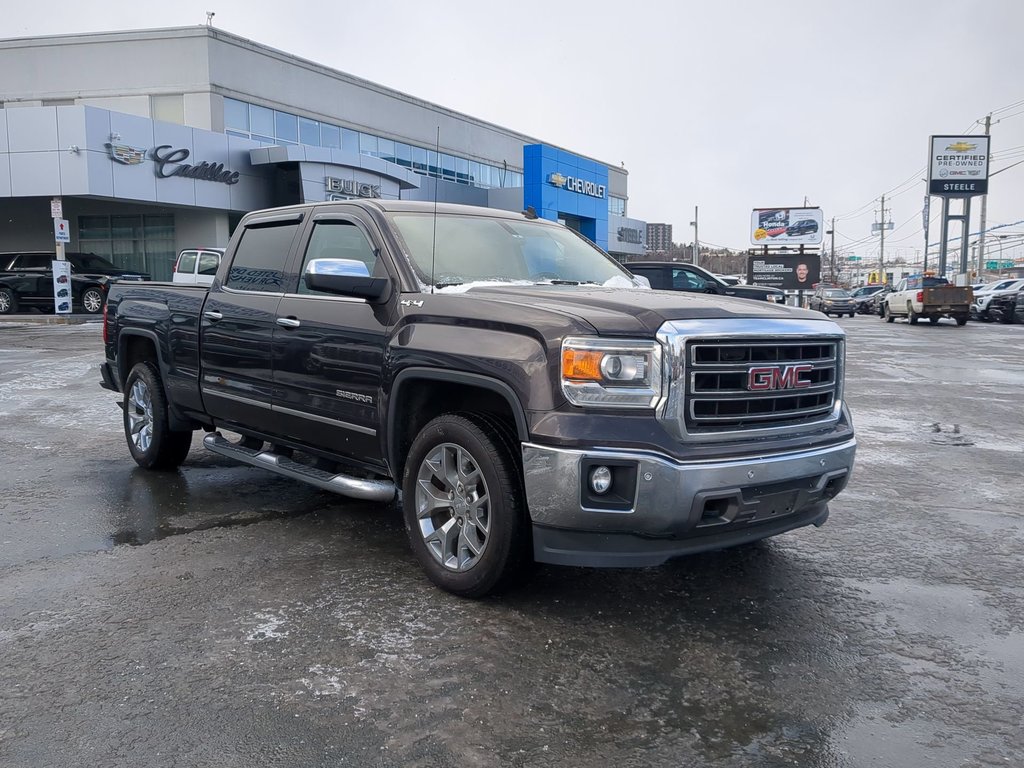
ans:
(778, 377)
(122, 153)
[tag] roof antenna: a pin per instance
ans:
(433, 234)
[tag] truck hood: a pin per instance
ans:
(624, 312)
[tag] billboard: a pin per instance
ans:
(958, 166)
(790, 272)
(786, 226)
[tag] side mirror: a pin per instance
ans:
(345, 277)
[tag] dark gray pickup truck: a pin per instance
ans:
(528, 397)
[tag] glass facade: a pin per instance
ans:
(140, 242)
(270, 126)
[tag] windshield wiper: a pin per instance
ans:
(559, 281)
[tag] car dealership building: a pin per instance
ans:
(162, 139)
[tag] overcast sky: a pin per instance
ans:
(725, 105)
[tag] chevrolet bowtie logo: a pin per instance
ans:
(961, 146)
(557, 179)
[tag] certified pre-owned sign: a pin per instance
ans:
(958, 166)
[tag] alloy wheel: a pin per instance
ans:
(453, 506)
(140, 415)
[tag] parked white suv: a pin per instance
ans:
(197, 266)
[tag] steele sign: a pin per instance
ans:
(958, 166)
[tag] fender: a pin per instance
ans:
(176, 419)
(410, 375)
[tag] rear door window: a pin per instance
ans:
(187, 262)
(209, 261)
(259, 260)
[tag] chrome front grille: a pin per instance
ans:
(744, 378)
(718, 393)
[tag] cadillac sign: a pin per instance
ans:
(171, 162)
(573, 184)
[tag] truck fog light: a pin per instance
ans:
(600, 480)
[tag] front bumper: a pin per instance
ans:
(677, 508)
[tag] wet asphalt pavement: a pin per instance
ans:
(221, 616)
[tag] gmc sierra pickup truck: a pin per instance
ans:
(525, 394)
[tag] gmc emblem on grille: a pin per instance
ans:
(778, 377)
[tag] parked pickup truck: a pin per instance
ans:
(527, 396)
(930, 297)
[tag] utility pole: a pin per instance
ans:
(881, 247)
(696, 239)
(925, 214)
(832, 257)
(984, 208)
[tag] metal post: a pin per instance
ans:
(925, 213)
(944, 237)
(832, 257)
(965, 235)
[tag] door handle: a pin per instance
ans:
(212, 315)
(288, 322)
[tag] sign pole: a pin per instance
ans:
(944, 237)
(965, 234)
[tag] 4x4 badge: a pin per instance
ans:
(411, 303)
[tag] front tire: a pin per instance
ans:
(151, 441)
(887, 314)
(463, 504)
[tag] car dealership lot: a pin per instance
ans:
(224, 616)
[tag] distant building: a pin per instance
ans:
(659, 237)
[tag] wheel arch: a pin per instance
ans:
(420, 394)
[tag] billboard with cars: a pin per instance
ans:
(786, 226)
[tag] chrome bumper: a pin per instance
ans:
(676, 507)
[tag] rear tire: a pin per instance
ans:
(8, 301)
(151, 441)
(463, 505)
(961, 321)
(911, 314)
(933, 320)
(92, 300)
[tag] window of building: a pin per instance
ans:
(616, 205)
(139, 242)
(169, 109)
(259, 260)
(368, 144)
(286, 128)
(350, 140)
(261, 120)
(330, 136)
(419, 159)
(236, 115)
(403, 154)
(386, 150)
(309, 132)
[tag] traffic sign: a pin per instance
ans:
(56, 208)
(61, 231)
(853, 258)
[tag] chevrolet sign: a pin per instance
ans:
(573, 184)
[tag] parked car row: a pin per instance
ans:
(26, 281)
(996, 300)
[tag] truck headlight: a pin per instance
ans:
(611, 373)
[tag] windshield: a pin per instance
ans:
(998, 285)
(474, 249)
(88, 261)
(837, 294)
